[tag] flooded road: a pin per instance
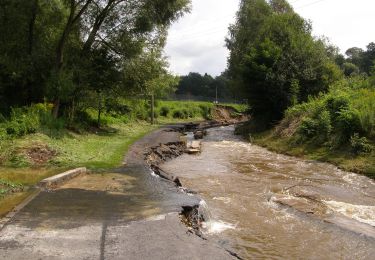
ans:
(266, 205)
(127, 213)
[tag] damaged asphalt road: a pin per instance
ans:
(136, 220)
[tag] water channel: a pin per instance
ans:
(266, 205)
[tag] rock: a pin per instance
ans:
(192, 151)
(198, 134)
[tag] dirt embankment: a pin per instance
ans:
(227, 115)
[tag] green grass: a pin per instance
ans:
(95, 151)
(99, 151)
(104, 149)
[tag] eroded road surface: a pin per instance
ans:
(270, 206)
(127, 213)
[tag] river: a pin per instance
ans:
(266, 205)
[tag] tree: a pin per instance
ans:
(29, 30)
(242, 35)
(354, 55)
(49, 47)
(281, 64)
(198, 85)
(148, 75)
(368, 57)
(123, 26)
(350, 69)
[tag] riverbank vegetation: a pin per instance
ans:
(336, 127)
(306, 98)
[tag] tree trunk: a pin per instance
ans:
(34, 11)
(73, 18)
(96, 27)
(30, 48)
(56, 107)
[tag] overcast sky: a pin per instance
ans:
(196, 42)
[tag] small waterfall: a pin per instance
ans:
(204, 211)
(209, 224)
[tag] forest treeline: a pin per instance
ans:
(198, 85)
(72, 54)
(301, 83)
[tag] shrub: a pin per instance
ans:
(116, 109)
(205, 111)
(360, 145)
(335, 104)
(3, 133)
(179, 114)
(308, 128)
(84, 118)
(164, 111)
(347, 123)
(318, 128)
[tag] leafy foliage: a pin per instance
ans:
(343, 116)
(65, 52)
(274, 60)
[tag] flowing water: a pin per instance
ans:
(267, 205)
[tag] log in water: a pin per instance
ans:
(267, 205)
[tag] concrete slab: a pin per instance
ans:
(54, 181)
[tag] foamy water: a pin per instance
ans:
(361, 213)
(216, 227)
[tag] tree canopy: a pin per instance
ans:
(274, 60)
(58, 50)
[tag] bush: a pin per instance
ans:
(116, 109)
(205, 111)
(360, 145)
(335, 104)
(308, 128)
(24, 120)
(318, 128)
(164, 111)
(84, 117)
(179, 114)
(347, 123)
(3, 133)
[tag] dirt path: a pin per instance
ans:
(123, 214)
